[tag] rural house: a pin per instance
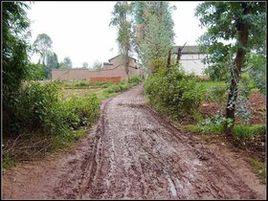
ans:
(191, 59)
(112, 71)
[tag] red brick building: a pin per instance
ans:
(113, 71)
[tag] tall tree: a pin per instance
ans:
(15, 47)
(97, 65)
(154, 30)
(121, 20)
(51, 63)
(85, 65)
(67, 63)
(43, 45)
(241, 22)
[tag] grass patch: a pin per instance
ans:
(209, 84)
(8, 162)
(245, 131)
(259, 169)
(240, 131)
(204, 129)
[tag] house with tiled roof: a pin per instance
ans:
(191, 59)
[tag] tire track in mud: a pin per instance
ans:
(149, 158)
(134, 153)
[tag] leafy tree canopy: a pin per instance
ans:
(67, 63)
(43, 45)
(220, 40)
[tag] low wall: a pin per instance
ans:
(115, 74)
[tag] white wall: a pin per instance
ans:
(192, 63)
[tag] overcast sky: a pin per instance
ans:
(81, 30)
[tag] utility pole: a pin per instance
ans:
(169, 58)
(179, 53)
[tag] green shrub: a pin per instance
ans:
(135, 80)
(39, 108)
(33, 104)
(36, 72)
(104, 84)
(244, 131)
(259, 168)
(82, 111)
(113, 89)
(173, 92)
(123, 86)
(205, 129)
(216, 94)
(216, 124)
(82, 84)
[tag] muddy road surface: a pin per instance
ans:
(132, 153)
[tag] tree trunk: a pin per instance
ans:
(169, 58)
(178, 55)
(242, 30)
(126, 65)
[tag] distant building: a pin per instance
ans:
(191, 59)
(112, 71)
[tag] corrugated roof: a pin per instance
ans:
(106, 63)
(64, 69)
(187, 49)
(120, 55)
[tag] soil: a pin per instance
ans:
(133, 153)
(256, 105)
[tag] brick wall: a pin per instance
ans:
(112, 74)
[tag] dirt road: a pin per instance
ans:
(134, 154)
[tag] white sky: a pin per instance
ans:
(81, 30)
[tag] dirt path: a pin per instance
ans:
(132, 153)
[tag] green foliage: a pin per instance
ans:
(51, 63)
(215, 125)
(155, 34)
(39, 108)
(173, 92)
(138, 11)
(42, 46)
(219, 17)
(155, 45)
(234, 30)
(85, 65)
(67, 63)
(257, 66)
(245, 131)
(120, 19)
(216, 94)
(7, 161)
(217, 72)
(33, 105)
(15, 61)
(205, 129)
(82, 111)
(123, 85)
(259, 168)
(97, 65)
(135, 80)
(36, 72)
(82, 84)
(14, 48)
